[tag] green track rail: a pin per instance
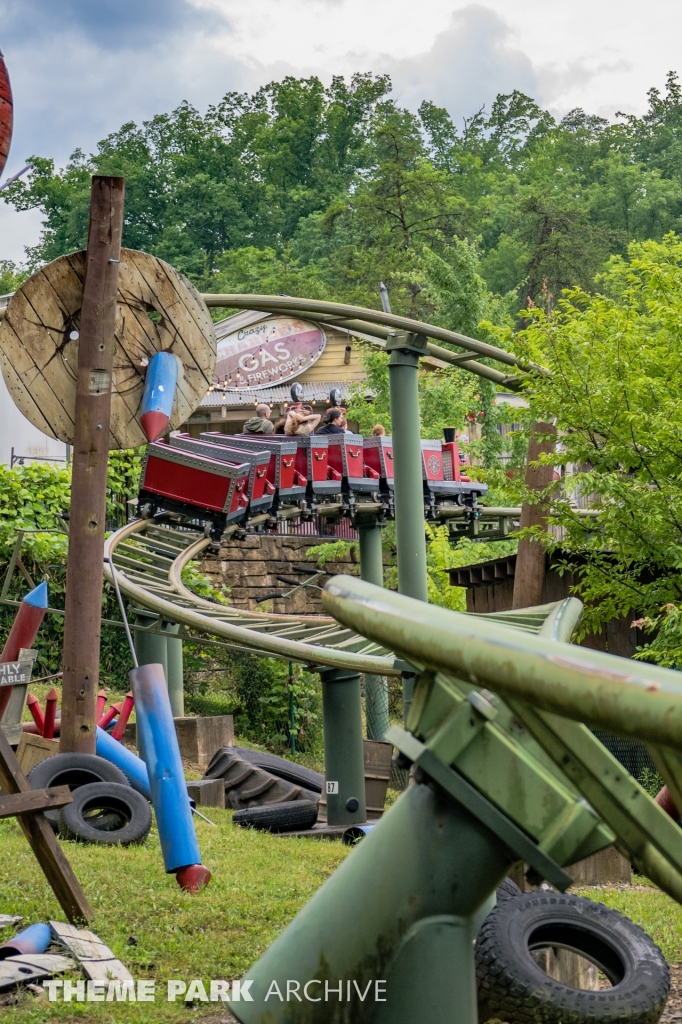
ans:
(149, 555)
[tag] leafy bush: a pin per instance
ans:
(34, 497)
(257, 691)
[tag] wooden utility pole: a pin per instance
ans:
(529, 576)
(89, 474)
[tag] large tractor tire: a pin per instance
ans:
(513, 987)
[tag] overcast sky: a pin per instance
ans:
(82, 68)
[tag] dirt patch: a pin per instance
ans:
(673, 1008)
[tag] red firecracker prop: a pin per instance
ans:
(33, 705)
(23, 632)
(119, 728)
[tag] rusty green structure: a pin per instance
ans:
(506, 770)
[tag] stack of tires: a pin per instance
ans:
(267, 792)
(632, 976)
(105, 808)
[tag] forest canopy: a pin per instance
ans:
(325, 190)
(557, 237)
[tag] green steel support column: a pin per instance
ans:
(344, 765)
(372, 570)
(403, 374)
(403, 369)
(175, 674)
(403, 909)
(409, 683)
(151, 648)
(371, 555)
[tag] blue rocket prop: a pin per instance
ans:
(34, 939)
(134, 768)
(159, 393)
(159, 741)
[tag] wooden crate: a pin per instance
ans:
(207, 792)
(34, 749)
(377, 773)
(607, 867)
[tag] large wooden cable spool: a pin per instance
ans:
(158, 310)
(6, 116)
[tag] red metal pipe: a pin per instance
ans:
(119, 728)
(33, 730)
(110, 715)
(50, 713)
(33, 705)
(101, 701)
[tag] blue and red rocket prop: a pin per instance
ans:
(157, 739)
(133, 767)
(34, 939)
(159, 394)
(159, 742)
(23, 632)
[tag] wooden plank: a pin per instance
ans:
(43, 842)
(26, 969)
(97, 960)
(35, 800)
(83, 943)
(8, 919)
(106, 970)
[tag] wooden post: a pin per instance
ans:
(41, 838)
(529, 576)
(89, 479)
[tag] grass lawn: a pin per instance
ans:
(259, 883)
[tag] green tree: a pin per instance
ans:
(616, 395)
(11, 276)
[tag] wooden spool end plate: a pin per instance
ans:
(158, 310)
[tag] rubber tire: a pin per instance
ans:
(283, 769)
(73, 824)
(72, 770)
(508, 890)
(289, 817)
(512, 987)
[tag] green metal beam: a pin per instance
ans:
(279, 303)
(630, 698)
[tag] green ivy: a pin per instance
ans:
(37, 496)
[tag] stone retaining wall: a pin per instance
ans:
(249, 568)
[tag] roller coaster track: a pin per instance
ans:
(148, 557)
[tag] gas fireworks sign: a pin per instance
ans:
(268, 353)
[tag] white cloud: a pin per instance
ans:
(468, 64)
(81, 69)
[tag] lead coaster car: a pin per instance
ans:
(193, 486)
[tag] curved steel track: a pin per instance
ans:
(149, 555)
